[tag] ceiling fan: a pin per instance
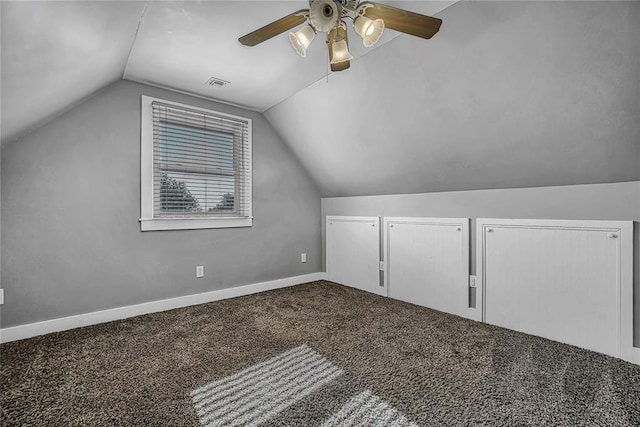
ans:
(369, 20)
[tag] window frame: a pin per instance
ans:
(147, 220)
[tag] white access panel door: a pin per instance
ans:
(427, 263)
(353, 252)
(569, 281)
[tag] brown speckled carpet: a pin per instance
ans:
(431, 368)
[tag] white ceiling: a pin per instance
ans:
(182, 44)
(57, 53)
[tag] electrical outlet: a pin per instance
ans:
(199, 270)
(303, 257)
(473, 281)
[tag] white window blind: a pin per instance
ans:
(200, 164)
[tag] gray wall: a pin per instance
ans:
(71, 239)
(508, 94)
(617, 201)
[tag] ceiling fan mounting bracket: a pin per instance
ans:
(362, 8)
(340, 35)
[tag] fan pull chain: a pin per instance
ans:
(328, 63)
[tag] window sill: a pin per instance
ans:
(192, 223)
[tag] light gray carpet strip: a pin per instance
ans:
(367, 410)
(260, 392)
(242, 385)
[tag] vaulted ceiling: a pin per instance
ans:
(56, 53)
(507, 94)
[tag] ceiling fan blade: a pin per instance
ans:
(402, 20)
(331, 36)
(275, 28)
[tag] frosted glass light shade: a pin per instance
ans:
(301, 39)
(340, 52)
(323, 15)
(369, 29)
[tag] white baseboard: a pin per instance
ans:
(62, 324)
(636, 356)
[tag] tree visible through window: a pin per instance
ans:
(227, 202)
(175, 196)
(197, 169)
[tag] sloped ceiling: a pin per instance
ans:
(56, 53)
(507, 94)
(182, 44)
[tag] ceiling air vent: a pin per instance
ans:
(216, 82)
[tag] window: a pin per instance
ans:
(196, 168)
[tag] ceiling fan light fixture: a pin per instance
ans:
(369, 29)
(369, 19)
(323, 14)
(301, 39)
(340, 52)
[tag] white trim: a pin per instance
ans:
(352, 218)
(61, 324)
(150, 224)
(626, 291)
(626, 350)
(147, 221)
(146, 158)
